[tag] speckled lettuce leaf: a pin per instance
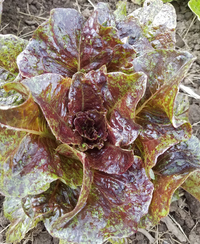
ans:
(117, 240)
(192, 157)
(165, 70)
(121, 97)
(56, 201)
(132, 34)
(173, 169)
(158, 134)
(158, 22)
(108, 212)
(26, 116)
(55, 44)
(30, 167)
(194, 5)
(20, 222)
(161, 66)
(65, 44)
(164, 188)
(60, 203)
(11, 97)
(50, 91)
(10, 139)
(10, 47)
(84, 94)
(179, 159)
(111, 159)
(120, 12)
(192, 184)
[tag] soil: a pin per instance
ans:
(21, 17)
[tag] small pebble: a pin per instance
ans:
(188, 15)
(197, 47)
(33, 9)
(30, 1)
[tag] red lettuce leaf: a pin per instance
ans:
(131, 33)
(164, 188)
(121, 96)
(65, 44)
(10, 47)
(30, 167)
(10, 139)
(87, 179)
(121, 131)
(50, 91)
(181, 158)
(25, 117)
(158, 22)
(57, 200)
(107, 211)
(120, 85)
(83, 95)
(158, 134)
(110, 159)
(173, 169)
(164, 68)
(192, 184)
(54, 47)
(165, 123)
(191, 158)
(20, 222)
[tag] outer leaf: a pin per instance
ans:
(60, 214)
(20, 222)
(162, 87)
(131, 33)
(101, 43)
(10, 139)
(192, 184)
(10, 47)
(12, 97)
(55, 44)
(65, 45)
(181, 158)
(56, 201)
(158, 135)
(194, 5)
(174, 167)
(120, 12)
(158, 22)
(161, 66)
(50, 92)
(30, 167)
(85, 190)
(109, 213)
(25, 117)
(164, 188)
(28, 164)
(168, 103)
(191, 149)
